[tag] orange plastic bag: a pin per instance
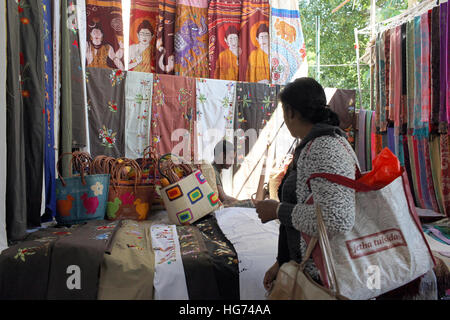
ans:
(385, 169)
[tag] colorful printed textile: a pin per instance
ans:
(429, 174)
(169, 281)
(173, 115)
(382, 86)
(138, 104)
(224, 23)
(165, 59)
(342, 102)
(418, 125)
(412, 163)
(426, 193)
(368, 138)
(387, 51)
(105, 48)
(210, 261)
(395, 83)
(254, 42)
(215, 115)
(287, 45)
(191, 38)
(106, 105)
(436, 170)
(425, 72)
(410, 75)
(143, 23)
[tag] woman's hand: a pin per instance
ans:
(271, 275)
(266, 209)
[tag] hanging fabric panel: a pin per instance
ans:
(32, 77)
(429, 174)
(79, 134)
(106, 105)
(287, 45)
(16, 181)
(165, 59)
(3, 132)
(443, 69)
(410, 75)
(382, 85)
(143, 23)
(368, 136)
(387, 48)
(425, 83)
(215, 115)
(173, 115)
(105, 48)
(138, 95)
(254, 42)
(435, 70)
(435, 159)
(191, 38)
(418, 125)
(49, 155)
(224, 23)
(361, 152)
(403, 103)
(445, 171)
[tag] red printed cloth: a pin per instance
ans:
(254, 42)
(224, 24)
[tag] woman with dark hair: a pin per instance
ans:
(323, 149)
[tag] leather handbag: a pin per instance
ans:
(294, 283)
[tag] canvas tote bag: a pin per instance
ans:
(386, 248)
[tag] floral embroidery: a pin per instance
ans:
(22, 252)
(112, 106)
(277, 69)
(107, 136)
(97, 188)
(116, 77)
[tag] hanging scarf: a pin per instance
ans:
(382, 75)
(387, 51)
(106, 104)
(254, 59)
(410, 75)
(224, 19)
(435, 70)
(425, 83)
(165, 59)
(361, 139)
(445, 171)
(191, 38)
(287, 45)
(444, 67)
(142, 56)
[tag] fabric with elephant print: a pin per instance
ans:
(173, 115)
(106, 111)
(224, 23)
(210, 261)
(287, 45)
(254, 42)
(143, 23)
(165, 52)
(191, 38)
(105, 44)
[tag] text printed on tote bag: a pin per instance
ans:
(374, 243)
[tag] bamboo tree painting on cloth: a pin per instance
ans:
(224, 23)
(173, 115)
(32, 80)
(138, 102)
(106, 110)
(215, 114)
(254, 42)
(143, 23)
(191, 38)
(165, 51)
(105, 47)
(287, 45)
(16, 207)
(255, 104)
(49, 155)
(79, 133)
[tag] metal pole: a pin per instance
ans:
(318, 48)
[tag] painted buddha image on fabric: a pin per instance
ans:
(258, 69)
(99, 53)
(227, 63)
(141, 53)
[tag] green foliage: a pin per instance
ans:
(337, 39)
